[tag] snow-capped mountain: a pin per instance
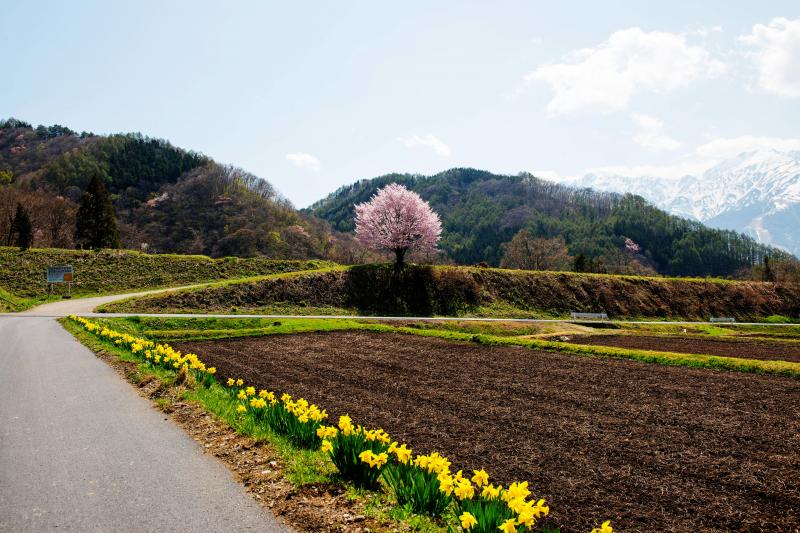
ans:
(757, 193)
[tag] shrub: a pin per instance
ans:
(778, 319)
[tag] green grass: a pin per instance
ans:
(23, 283)
(205, 329)
(9, 302)
(302, 467)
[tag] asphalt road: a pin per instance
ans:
(81, 451)
(76, 306)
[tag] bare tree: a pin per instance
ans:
(527, 252)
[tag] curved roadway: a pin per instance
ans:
(80, 450)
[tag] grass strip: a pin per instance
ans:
(294, 326)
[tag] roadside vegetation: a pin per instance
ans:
(23, 281)
(367, 459)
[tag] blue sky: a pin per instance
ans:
(314, 95)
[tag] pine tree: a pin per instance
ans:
(768, 274)
(96, 225)
(23, 229)
(579, 264)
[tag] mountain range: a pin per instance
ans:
(168, 199)
(756, 193)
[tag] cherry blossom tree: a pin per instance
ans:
(399, 220)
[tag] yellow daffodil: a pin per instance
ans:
(241, 408)
(402, 452)
(467, 520)
(464, 490)
(346, 425)
(605, 527)
(327, 432)
(250, 391)
(516, 491)
(480, 478)
(526, 519)
(509, 526)
(445, 483)
(239, 382)
(327, 447)
(490, 492)
(372, 459)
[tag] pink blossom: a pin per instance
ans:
(631, 246)
(399, 220)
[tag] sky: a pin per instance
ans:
(315, 95)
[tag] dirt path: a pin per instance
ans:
(745, 349)
(655, 448)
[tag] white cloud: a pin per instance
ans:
(731, 147)
(606, 77)
(550, 175)
(304, 160)
(705, 31)
(429, 141)
(678, 170)
(777, 55)
(650, 136)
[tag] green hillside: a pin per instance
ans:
(167, 200)
(23, 283)
(481, 211)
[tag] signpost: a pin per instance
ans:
(60, 274)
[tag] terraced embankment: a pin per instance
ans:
(23, 282)
(460, 291)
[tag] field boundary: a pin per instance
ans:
(304, 325)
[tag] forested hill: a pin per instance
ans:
(166, 199)
(481, 211)
(172, 200)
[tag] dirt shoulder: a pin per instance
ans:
(652, 447)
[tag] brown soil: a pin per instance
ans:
(310, 508)
(654, 448)
(744, 349)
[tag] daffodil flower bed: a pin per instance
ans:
(425, 483)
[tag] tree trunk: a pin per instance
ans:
(399, 254)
